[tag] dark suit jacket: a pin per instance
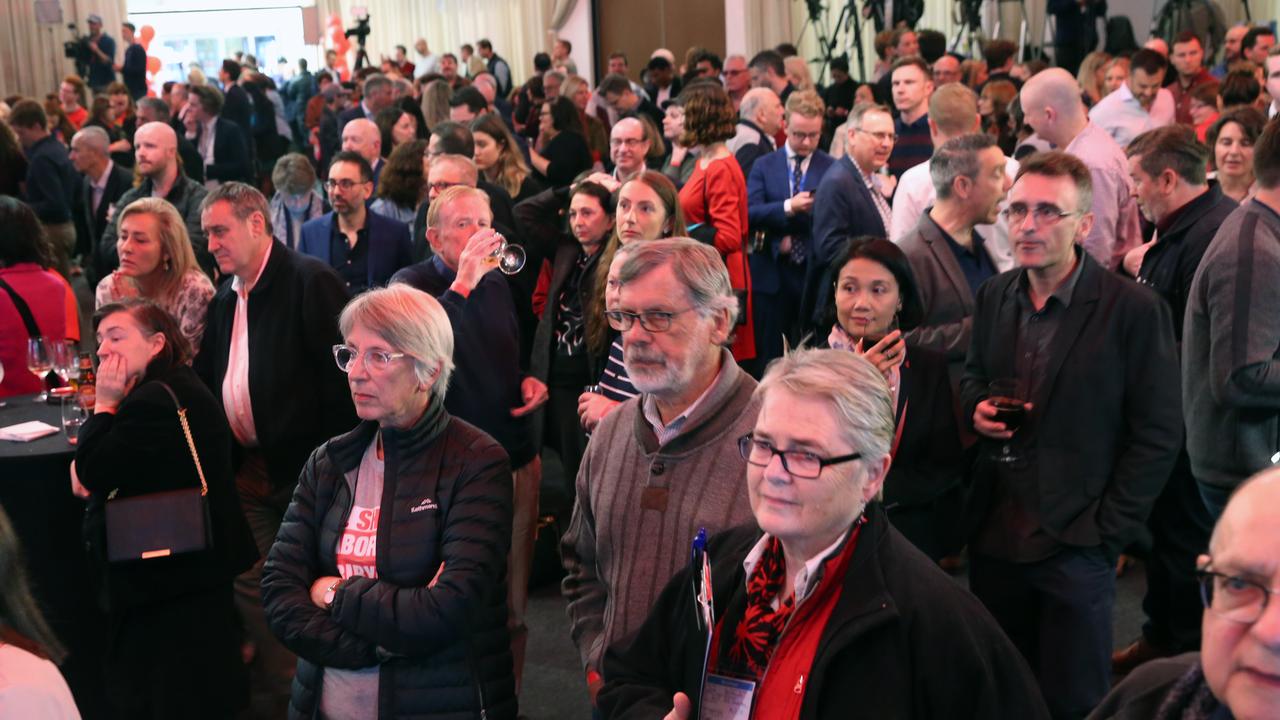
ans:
(346, 116)
(768, 189)
(388, 244)
(1105, 429)
(89, 224)
(231, 158)
(928, 460)
(238, 108)
(842, 209)
(298, 395)
(943, 290)
(192, 163)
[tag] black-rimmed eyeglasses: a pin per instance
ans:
(1233, 597)
(651, 320)
(800, 463)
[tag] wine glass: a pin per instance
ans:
(509, 258)
(73, 416)
(1009, 397)
(40, 362)
(66, 363)
(2, 402)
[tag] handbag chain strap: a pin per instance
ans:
(191, 443)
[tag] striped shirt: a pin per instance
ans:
(913, 146)
(615, 384)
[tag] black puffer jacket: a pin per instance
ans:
(443, 651)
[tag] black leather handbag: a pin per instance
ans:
(161, 524)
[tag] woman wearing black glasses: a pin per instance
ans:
(403, 614)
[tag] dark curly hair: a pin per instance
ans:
(708, 115)
(152, 319)
(401, 181)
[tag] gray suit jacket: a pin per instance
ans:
(944, 293)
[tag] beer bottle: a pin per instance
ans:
(87, 392)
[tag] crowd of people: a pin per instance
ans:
(978, 315)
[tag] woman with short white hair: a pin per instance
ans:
(818, 609)
(387, 575)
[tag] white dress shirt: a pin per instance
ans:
(1124, 118)
(235, 384)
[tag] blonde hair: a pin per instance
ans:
(805, 103)
(177, 257)
(798, 69)
(436, 209)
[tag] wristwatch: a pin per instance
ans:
(328, 593)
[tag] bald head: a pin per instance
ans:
(155, 147)
(1251, 516)
(362, 136)
(89, 151)
(761, 106)
(1052, 106)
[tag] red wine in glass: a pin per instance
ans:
(1008, 396)
(1010, 411)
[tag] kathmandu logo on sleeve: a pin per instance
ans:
(424, 504)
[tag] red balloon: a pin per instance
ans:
(146, 33)
(153, 64)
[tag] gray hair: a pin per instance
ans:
(860, 111)
(294, 174)
(245, 201)
(752, 100)
(411, 322)
(376, 81)
(404, 86)
(466, 165)
(857, 392)
(94, 138)
(697, 267)
(559, 75)
(160, 107)
(957, 157)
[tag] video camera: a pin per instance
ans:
(77, 49)
(361, 31)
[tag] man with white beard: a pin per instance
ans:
(666, 463)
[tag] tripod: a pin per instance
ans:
(827, 41)
(968, 19)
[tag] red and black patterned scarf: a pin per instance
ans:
(756, 635)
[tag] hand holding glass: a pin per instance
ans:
(1009, 399)
(509, 258)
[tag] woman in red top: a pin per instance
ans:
(716, 194)
(24, 267)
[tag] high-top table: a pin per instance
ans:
(35, 492)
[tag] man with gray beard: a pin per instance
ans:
(666, 463)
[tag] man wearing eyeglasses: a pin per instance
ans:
(1236, 674)
(365, 248)
(1091, 357)
(851, 201)
(780, 193)
(665, 463)
(628, 148)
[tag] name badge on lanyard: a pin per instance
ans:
(726, 698)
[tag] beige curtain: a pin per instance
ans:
(769, 22)
(517, 28)
(31, 61)
(560, 14)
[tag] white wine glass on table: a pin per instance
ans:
(73, 416)
(2, 402)
(40, 362)
(1010, 400)
(66, 363)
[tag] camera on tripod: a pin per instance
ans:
(361, 31)
(77, 48)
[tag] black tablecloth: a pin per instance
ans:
(35, 491)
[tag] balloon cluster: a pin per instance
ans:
(341, 45)
(145, 35)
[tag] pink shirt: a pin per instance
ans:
(235, 384)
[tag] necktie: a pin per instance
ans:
(798, 249)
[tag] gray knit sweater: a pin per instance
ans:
(1230, 344)
(621, 549)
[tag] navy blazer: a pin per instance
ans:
(842, 209)
(231, 159)
(389, 248)
(768, 188)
